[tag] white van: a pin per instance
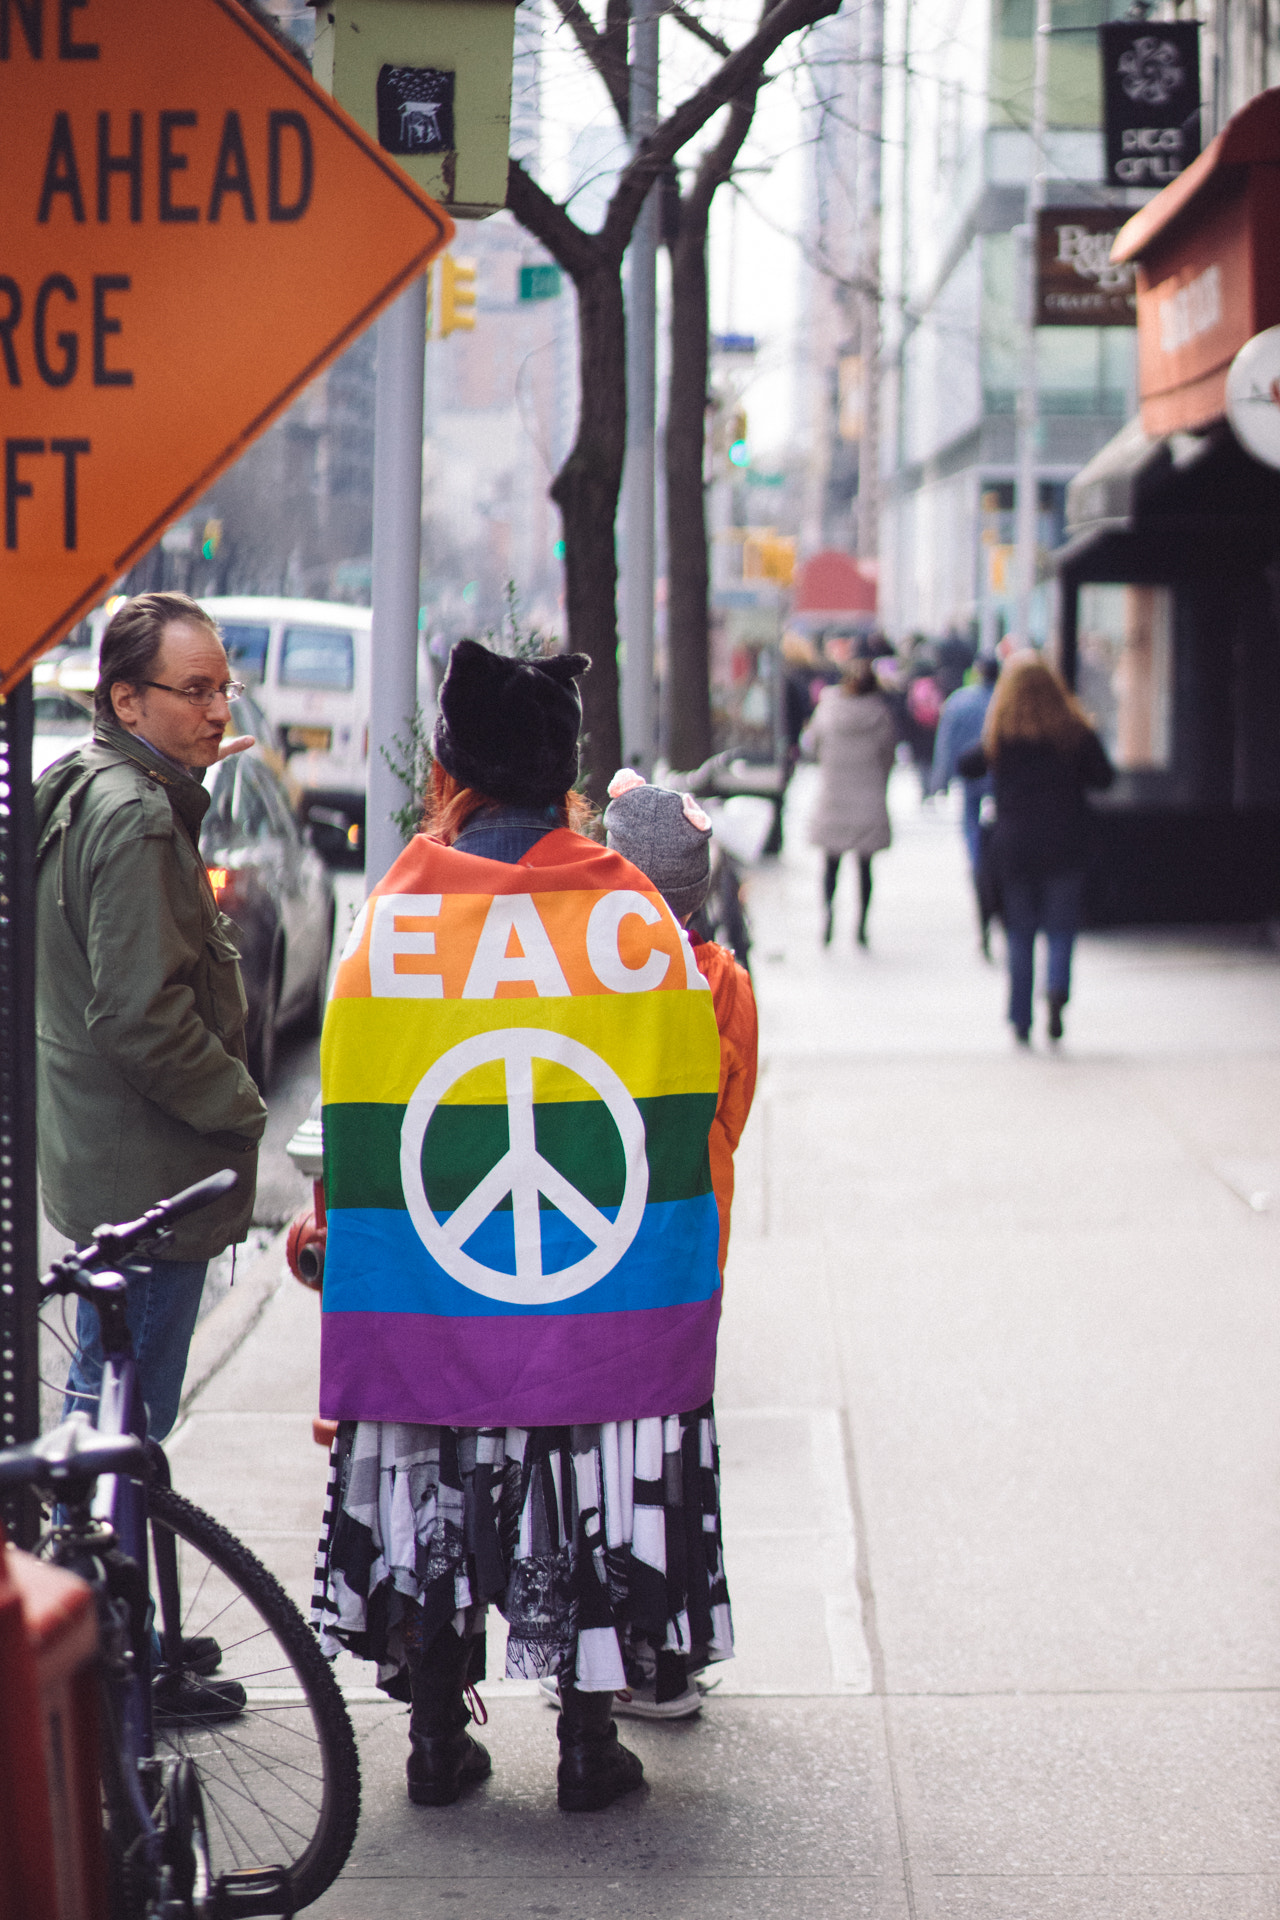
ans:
(307, 662)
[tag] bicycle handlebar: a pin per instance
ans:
(113, 1242)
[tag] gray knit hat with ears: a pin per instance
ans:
(665, 834)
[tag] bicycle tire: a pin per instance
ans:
(254, 1796)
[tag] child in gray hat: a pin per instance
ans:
(667, 837)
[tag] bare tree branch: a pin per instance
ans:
(740, 69)
(577, 252)
(694, 26)
(607, 51)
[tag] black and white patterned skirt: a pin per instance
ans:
(600, 1545)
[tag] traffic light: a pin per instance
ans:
(211, 539)
(457, 295)
(767, 555)
(735, 438)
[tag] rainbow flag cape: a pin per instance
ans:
(520, 1066)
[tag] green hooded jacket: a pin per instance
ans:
(141, 1080)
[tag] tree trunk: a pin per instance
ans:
(586, 491)
(688, 583)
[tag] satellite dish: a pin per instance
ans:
(1253, 396)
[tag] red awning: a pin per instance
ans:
(1250, 138)
(833, 583)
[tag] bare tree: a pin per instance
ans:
(688, 581)
(587, 486)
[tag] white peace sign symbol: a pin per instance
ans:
(523, 1173)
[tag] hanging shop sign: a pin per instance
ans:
(190, 231)
(1151, 95)
(1077, 282)
(430, 81)
(1207, 252)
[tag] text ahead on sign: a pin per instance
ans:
(190, 230)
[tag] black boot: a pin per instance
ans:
(443, 1758)
(594, 1767)
(1057, 1001)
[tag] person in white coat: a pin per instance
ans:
(853, 738)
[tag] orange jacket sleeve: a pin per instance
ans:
(735, 1006)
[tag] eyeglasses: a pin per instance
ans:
(201, 696)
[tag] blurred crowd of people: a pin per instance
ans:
(1008, 729)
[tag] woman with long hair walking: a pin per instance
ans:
(1044, 757)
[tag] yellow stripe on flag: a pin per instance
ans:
(376, 1051)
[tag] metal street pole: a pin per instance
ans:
(19, 1373)
(397, 544)
(638, 479)
(1027, 495)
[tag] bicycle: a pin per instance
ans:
(230, 1778)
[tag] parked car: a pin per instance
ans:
(307, 662)
(265, 874)
(274, 885)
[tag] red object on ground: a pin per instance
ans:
(304, 1247)
(51, 1864)
(832, 582)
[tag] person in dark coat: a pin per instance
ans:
(964, 714)
(1044, 758)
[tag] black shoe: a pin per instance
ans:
(1057, 1002)
(595, 1768)
(1023, 1036)
(441, 1764)
(443, 1758)
(862, 933)
(829, 926)
(201, 1655)
(186, 1700)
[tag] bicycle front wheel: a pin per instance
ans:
(279, 1775)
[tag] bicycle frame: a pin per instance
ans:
(120, 1504)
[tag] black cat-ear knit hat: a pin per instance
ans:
(510, 727)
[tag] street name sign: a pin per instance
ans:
(190, 230)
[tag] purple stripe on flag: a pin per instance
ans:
(501, 1372)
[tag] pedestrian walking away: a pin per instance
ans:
(1044, 757)
(959, 728)
(522, 1069)
(853, 738)
(142, 1086)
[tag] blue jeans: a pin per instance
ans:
(161, 1307)
(975, 792)
(1050, 901)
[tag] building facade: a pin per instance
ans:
(954, 284)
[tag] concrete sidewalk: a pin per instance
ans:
(997, 1401)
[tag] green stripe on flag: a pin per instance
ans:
(362, 1150)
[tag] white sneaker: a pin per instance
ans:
(638, 1703)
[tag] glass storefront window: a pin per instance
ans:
(1125, 677)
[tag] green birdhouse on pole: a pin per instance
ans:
(430, 81)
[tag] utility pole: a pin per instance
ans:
(1027, 495)
(397, 544)
(638, 480)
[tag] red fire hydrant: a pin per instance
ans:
(309, 1230)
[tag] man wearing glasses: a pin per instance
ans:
(142, 1085)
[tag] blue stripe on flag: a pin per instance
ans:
(375, 1263)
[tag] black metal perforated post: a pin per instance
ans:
(19, 1378)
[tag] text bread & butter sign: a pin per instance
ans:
(190, 230)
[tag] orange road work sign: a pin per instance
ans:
(190, 230)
